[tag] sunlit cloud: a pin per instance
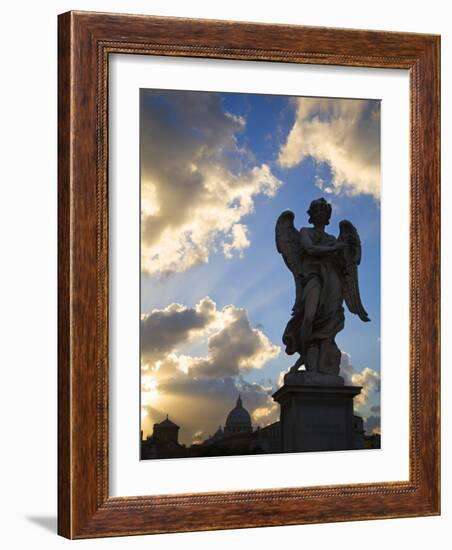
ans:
(239, 240)
(149, 388)
(266, 414)
(197, 183)
(198, 437)
(368, 378)
(344, 134)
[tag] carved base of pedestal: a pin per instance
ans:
(316, 418)
(312, 378)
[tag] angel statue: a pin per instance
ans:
(325, 270)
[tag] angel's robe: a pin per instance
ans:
(321, 275)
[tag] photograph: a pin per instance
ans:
(260, 274)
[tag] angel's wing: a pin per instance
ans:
(288, 242)
(352, 256)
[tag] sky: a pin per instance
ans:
(217, 169)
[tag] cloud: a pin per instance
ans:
(266, 414)
(233, 345)
(198, 437)
(346, 367)
(372, 425)
(239, 242)
(368, 378)
(236, 347)
(163, 329)
(197, 182)
(343, 133)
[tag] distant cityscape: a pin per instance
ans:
(237, 437)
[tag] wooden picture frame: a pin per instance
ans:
(85, 42)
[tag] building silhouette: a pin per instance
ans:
(163, 443)
(237, 437)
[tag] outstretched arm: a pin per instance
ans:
(316, 249)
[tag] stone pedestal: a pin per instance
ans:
(316, 417)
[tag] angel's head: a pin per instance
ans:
(319, 212)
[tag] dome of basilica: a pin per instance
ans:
(239, 417)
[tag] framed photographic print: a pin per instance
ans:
(248, 275)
